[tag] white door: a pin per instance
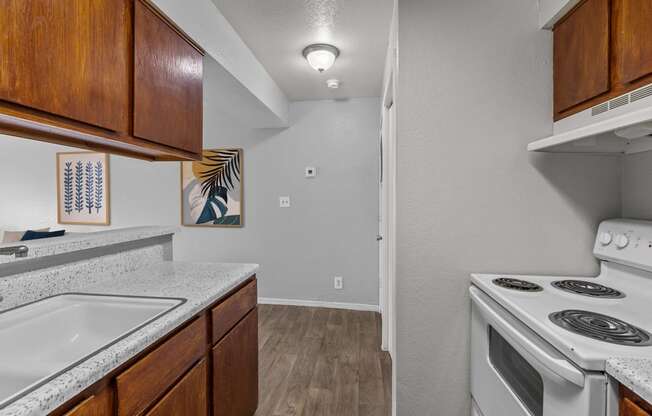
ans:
(387, 227)
(382, 246)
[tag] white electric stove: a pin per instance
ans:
(540, 343)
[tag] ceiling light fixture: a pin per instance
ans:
(321, 56)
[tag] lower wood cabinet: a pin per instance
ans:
(187, 373)
(629, 408)
(632, 405)
(140, 385)
(100, 404)
(235, 370)
(188, 397)
(228, 313)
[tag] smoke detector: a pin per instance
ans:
(333, 84)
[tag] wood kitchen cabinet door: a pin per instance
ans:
(68, 58)
(582, 55)
(632, 405)
(634, 39)
(188, 397)
(235, 370)
(629, 408)
(100, 404)
(168, 81)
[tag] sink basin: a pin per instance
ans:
(40, 340)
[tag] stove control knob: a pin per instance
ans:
(605, 238)
(621, 241)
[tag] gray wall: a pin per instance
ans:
(475, 86)
(329, 230)
(637, 186)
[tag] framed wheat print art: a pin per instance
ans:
(83, 188)
(212, 189)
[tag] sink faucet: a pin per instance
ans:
(18, 251)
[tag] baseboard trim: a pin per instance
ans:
(319, 304)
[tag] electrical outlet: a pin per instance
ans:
(284, 201)
(338, 282)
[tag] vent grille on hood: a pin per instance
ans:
(620, 125)
(622, 100)
(642, 93)
(599, 109)
(619, 102)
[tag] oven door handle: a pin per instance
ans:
(526, 345)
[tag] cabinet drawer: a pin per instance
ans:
(188, 397)
(144, 382)
(225, 315)
(235, 370)
(100, 404)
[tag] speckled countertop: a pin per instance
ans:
(633, 373)
(84, 241)
(200, 283)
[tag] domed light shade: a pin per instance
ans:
(321, 56)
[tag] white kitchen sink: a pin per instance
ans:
(43, 339)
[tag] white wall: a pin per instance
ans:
(475, 86)
(329, 230)
(637, 186)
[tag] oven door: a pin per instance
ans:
(514, 372)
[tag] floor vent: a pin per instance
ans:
(642, 93)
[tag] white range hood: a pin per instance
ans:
(621, 125)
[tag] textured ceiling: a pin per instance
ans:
(278, 30)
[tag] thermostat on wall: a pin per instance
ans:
(311, 172)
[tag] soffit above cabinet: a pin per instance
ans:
(204, 22)
(551, 11)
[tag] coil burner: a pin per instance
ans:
(517, 284)
(587, 288)
(601, 327)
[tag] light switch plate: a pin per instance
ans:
(311, 172)
(284, 201)
(338, 282)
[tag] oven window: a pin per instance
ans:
(521, 377)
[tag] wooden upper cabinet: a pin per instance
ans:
(112, 76)
(167, 83)
(68, 58)
(634, 39)
(582, 55)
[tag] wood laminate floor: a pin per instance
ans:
(322, 362)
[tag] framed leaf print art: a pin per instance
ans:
(83, 188)
(211, 189)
